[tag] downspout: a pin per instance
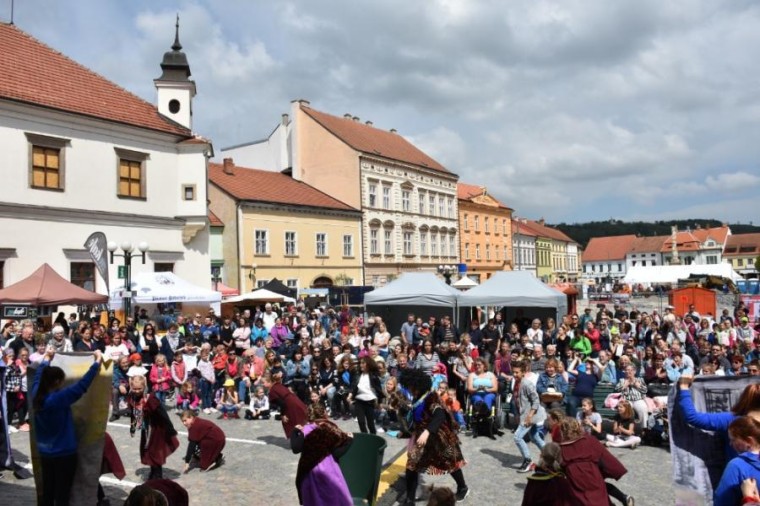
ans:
(238, 231)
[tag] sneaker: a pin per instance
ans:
(207, 411)
(113, 418)
(214, 410)
(24, 428)
(12, 429)
(526, 467)
(629, 501)
(462, 493)
(380, 430)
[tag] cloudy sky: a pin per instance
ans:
(570, 110)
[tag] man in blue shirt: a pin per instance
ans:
(409, 330)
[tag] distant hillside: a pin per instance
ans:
(583, 232)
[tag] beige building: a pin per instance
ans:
(277, 227)
(408, 201)
(485, 232)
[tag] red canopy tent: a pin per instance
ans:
(45, 287)
(225, 290)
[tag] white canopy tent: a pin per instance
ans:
(516, 289)
(162, 287)
(260, 295)
(670, 274)
(414, 288)
(464, 283)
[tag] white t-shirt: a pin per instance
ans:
(365, 392)
(116, 352)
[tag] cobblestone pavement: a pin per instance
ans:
(260, 469)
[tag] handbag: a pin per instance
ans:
(612, 400)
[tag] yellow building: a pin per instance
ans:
(742, 250)
(485, 232)
(278, 227)
(556, 253)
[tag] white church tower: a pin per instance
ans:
(175, 89)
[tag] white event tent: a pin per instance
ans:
(519, 292)
(260, 295)
(670, 274)
(163, 287)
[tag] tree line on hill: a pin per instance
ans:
(583, 232)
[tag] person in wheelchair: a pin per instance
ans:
(483, 387)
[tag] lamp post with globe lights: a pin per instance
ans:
(447, 271)
(127, 254)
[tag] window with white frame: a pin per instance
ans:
(372, 195)
(431, 202)
(467, 251)
(374, 248)
(423, 242)
(496, 253)
(451, 208)
(408, 247)
(506, 253)
(452, 245)
(504, 227)
(441, 206)
(485, 224)
(422, 197)
(477, 223)
(291, 283)
(433, 244)
(406, 200)
(321, 244)
(348, 245)
(466, 222)
(291, 244)
(477, 252)
(388, 241)
(261, 242)
(261, 283)
(386, 197)
(488, 252)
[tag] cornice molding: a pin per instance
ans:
(62, 214)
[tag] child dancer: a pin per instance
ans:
(206, 442)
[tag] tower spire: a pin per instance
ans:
(176, 46)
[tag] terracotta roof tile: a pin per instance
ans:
(469, 191)
(600, 249)
(648, 244)
(274, 187)
(742, 245)
(518, 227)
(214, 220)
(692, 240)
(551, 233)
(373, 141)
(44, 77)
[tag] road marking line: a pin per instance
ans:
(119, 483)
(391, 474)
(183, 433)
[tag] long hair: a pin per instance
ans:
(551, 457)
(570, 429)
(416, 381)
(370, 364)
(745, 427)
(51, 376)
(748, 401)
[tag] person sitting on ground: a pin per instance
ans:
(548, 486)
(744, 434)
(258, 409)
(206, 442)
(634, 389)
(230, 403)
(137, 368)
(624, 428)
(320, 442)
(590, 420)
(187, 398)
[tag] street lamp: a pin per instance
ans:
(127, 255)
(252, 276)
(216, 276)
(447, 271)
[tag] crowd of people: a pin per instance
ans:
(273, 362)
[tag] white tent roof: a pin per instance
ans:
(672, 273)
(260, 295)
(159, 287)
(414, 289)
(514, 289)
(464, 282)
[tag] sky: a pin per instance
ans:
(570, 111)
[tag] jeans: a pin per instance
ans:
(487, 397)
(207, 394)
(161, 395)
(535, 436)
(243, 390)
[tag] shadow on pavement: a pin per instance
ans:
(275, 441)
(507, 460)
(168, 474)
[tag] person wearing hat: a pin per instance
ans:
(745, 334)
(230, 402)
(136, 368)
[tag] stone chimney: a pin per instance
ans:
(348, 115)
(368, 123)
(356, 118)
(393, 130)
(541, 222)
(228, 166)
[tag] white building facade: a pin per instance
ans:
(94, 158)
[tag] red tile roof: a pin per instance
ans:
(648, 244)
(373, 141)
(518, 227)
(740, 245)
(552, 233)
(274, 187)
(470, 191)
(692, 240)
(214, 220)
(601, 249)
(37, 74)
